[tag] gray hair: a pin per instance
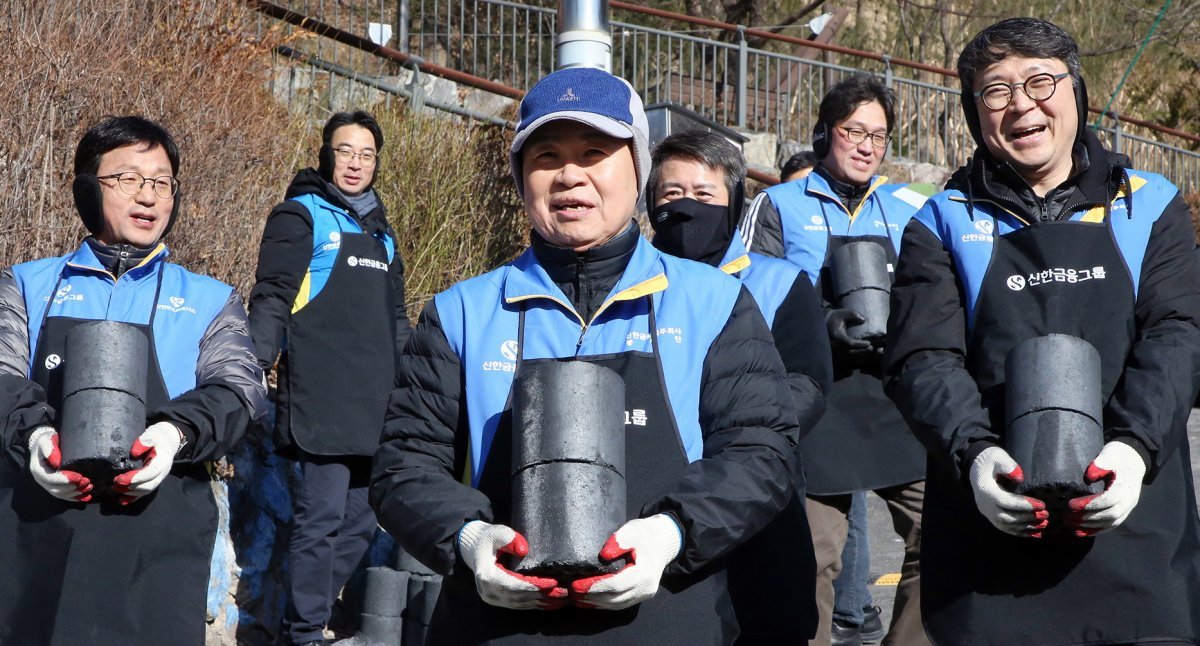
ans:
(708, 148)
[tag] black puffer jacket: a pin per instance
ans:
(747, 421)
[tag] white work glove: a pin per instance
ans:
(1122, 469)
(156, 448)
(44, 462)
(994, 474)
(649, 544)
(480, 544)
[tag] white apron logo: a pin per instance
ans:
(984, 226)
(177, 304)
(818, 224)
(335, 236)
(53, 361)
(335, 241)
(1056, 275)
(355, 261)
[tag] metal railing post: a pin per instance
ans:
(402, 26)
(888, 78)
(743, 58)
(1117, 131)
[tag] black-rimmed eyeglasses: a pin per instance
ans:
(1038, 87)
(131, 183)
(858, 135)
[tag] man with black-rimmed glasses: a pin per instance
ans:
(861, 443)
(1046, 235)
(84, 560)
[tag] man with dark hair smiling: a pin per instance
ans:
(1044, 232)
(328, 300)
(76, 566)
(862, 443)
(709, 459)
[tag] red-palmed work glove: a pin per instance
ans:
(44, 462)
(648, 544)
(994, 474)
(480, 545)
(1122, 469)
(156, 448)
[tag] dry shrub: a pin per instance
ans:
(450, 198)
(191, 66)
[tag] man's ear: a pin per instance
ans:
(88, 202)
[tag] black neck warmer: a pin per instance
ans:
(586, 278)
(118, 258)
(849, 195)
(691, 229)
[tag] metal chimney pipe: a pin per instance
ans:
(585, 37)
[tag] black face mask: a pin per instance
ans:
(691, 229)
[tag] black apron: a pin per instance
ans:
(688, 609)
(337, 370)
(102, 573)
(1137, 582)
(862, 441)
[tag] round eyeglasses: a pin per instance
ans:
(1038, 87)
(131, 183)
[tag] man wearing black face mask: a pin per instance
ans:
(862, 443)
(695, 191)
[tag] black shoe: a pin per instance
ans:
(872, 628)
(844, 634)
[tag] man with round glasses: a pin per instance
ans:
(861, 443)
(1043, 232)
(87, 562)
(328, 302)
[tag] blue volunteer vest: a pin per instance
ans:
(970, 238)
(810, 212)
(187, 304)
(329, 223)
(768, 279)
(692, 303)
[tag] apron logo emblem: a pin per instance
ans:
(508, 350)
(816, 219)
(1016, 283)
(985, 226)
(66, 289)
(53, 361)
(335, 236)
(370, 263)
(176, 301)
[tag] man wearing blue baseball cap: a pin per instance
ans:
(710, 427)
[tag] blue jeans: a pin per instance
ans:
(850, 591)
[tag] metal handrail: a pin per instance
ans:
(768, 35)
(511, 45)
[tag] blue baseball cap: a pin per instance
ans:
(592, 97)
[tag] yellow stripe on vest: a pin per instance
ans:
(302, 297)
(1096, 213)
